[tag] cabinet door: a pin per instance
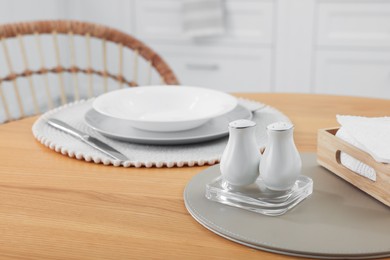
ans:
(116, 14)
(24, 10)
(231, 74)
(354, 23)
(247, 21)
(353, 73)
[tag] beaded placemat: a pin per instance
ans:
(141, 155)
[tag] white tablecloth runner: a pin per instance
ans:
(140, 155)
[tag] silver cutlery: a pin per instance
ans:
(251, 106)
(91, 141)
(256, 109)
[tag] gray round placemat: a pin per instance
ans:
(337, 221)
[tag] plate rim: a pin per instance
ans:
(233, 103)
(165, 140)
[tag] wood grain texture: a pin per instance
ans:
(328, 155)
(54, 207)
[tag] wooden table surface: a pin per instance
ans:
(54, 207)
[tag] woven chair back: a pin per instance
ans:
(44, 64)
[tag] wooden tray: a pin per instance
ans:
(329, 148)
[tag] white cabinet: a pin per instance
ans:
(110, 13)
(354, 23)
(318, 46)
(23, 10)
(247, 21)
(352, 54)
(238, 61)
(225, 69)
(353, 73)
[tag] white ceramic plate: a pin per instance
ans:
(122, 130)
(164, 108)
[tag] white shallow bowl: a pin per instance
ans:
(165, 108)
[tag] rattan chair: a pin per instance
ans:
(75, 50)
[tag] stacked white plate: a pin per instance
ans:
(164, 114)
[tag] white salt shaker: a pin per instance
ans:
(281, 163)
(240, 161)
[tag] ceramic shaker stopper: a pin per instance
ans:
(240, 161)
(281, 163)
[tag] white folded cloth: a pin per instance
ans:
(352, 163)
(371, 135)
(203, 18)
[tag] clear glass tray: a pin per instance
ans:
(258, 198)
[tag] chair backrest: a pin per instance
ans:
(70, 58)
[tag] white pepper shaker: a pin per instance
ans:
(281, 163)
(240, 160)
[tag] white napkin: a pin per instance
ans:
(371, 134)
(352, 163)
(203, 17)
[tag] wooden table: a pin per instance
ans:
(52, 206)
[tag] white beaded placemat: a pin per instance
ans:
(140, 155)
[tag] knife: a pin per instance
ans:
(91, 141)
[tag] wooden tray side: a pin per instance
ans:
(329, 148)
